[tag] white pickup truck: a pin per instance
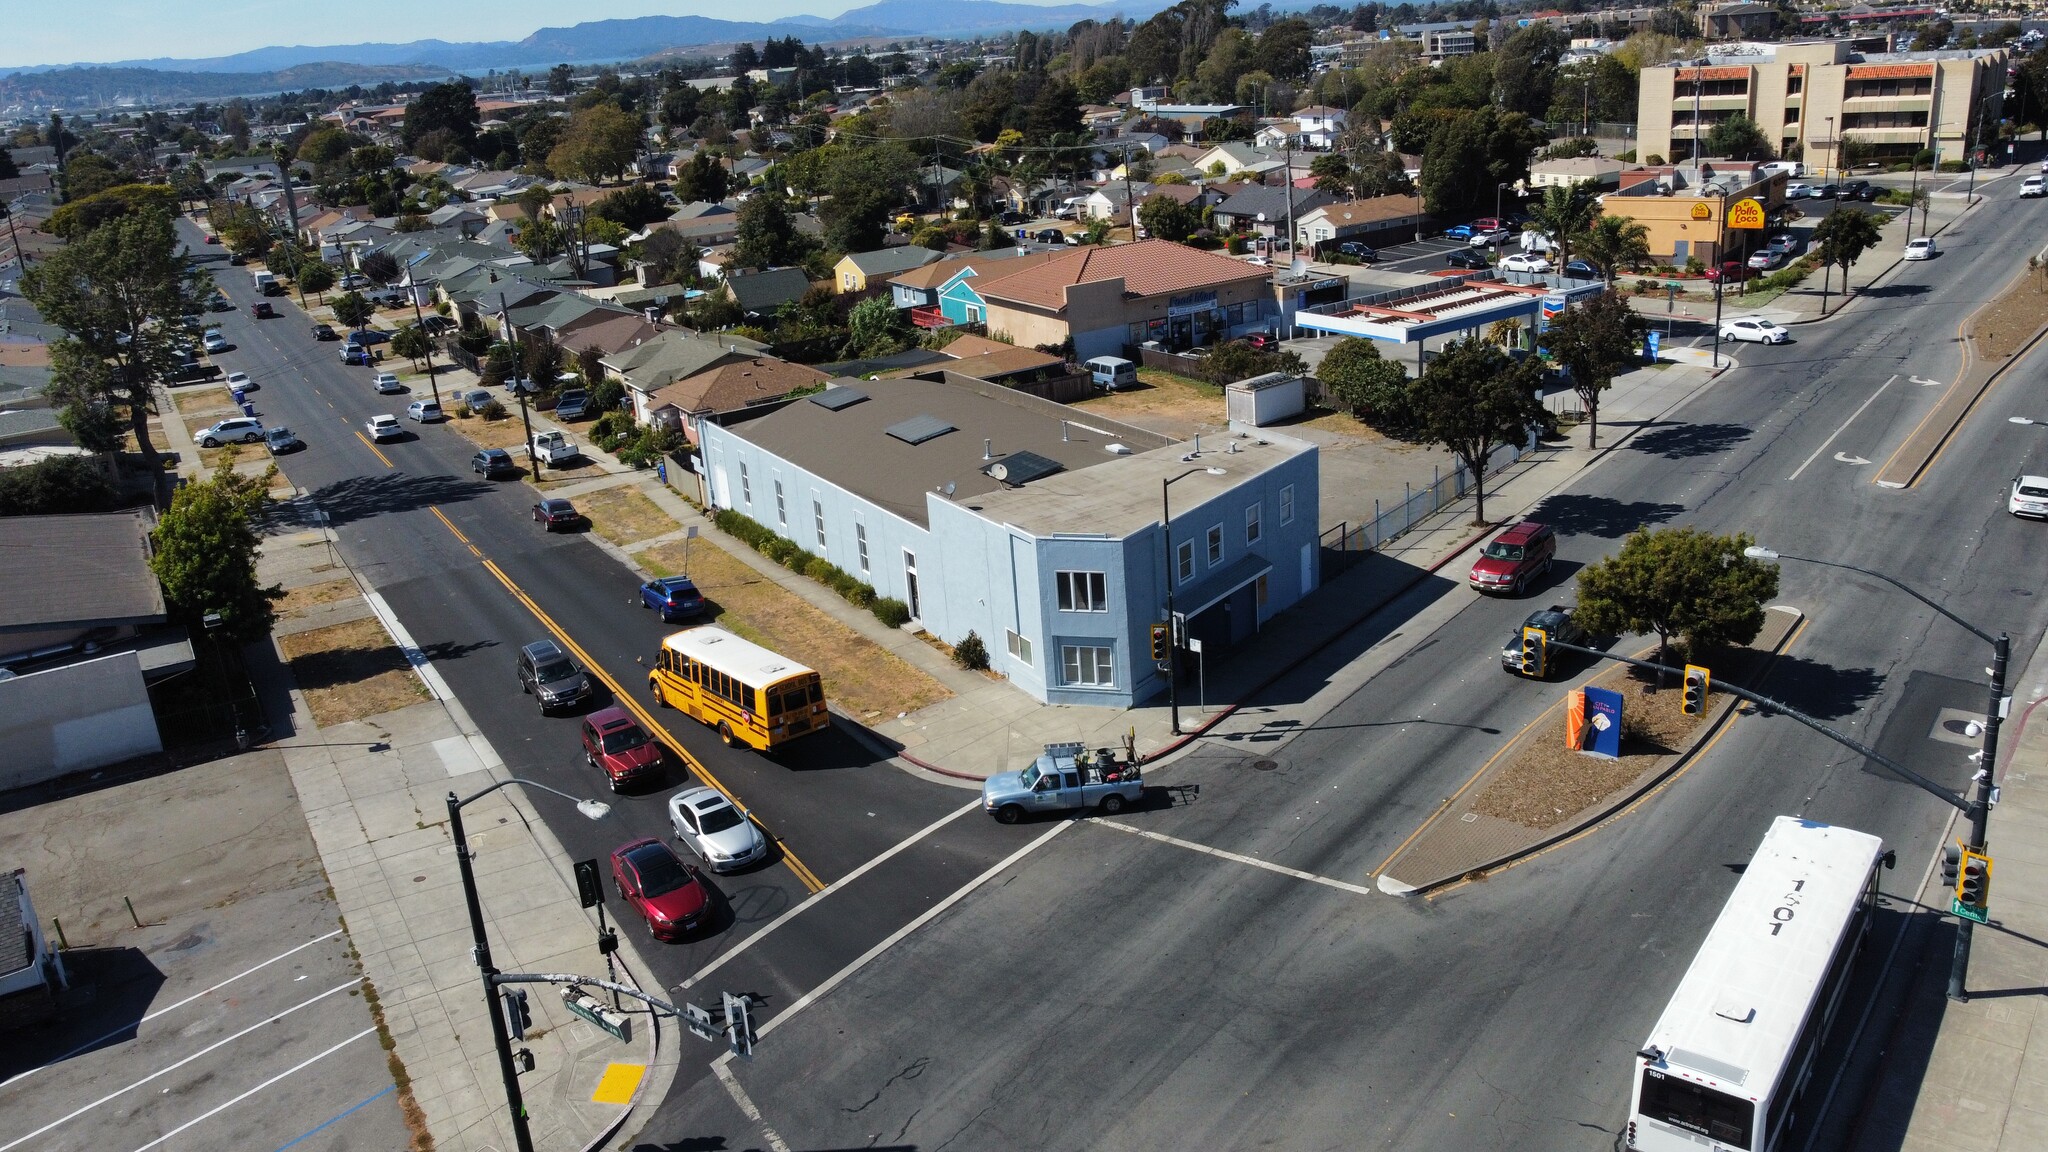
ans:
(554, 448)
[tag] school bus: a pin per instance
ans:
(751, 696)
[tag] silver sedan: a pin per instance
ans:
(721, 835)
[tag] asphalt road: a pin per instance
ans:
(1118, 991)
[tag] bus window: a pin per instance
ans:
(1697, 1108)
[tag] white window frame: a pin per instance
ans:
(1287, 504)
(1081, 591)
(781, 509)
(1214, 542)
(746, 485)
(1184, 562)
(1080, 662)
(818, 522)
(1253, 527)
(1019, 646)
(860, 540)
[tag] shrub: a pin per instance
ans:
(779, 550)
(822, 570)
(861, 596)
(970, 653)
(610, 429)
(462, 412)
(893, 613)
(1954, 166)
(798, 560)
(493, 409)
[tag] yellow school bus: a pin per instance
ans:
(752, 696)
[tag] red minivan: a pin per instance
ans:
(1511, 561)
(615, 744)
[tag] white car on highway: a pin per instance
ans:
(1755, 329)
(1921, 248)
(388, 382)
(1530, 262)
(383, 427)
(2029, 497)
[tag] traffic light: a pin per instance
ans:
(518, 1017)
(739, 1026)
(1162, 645)
(1694, 702)
(1951, 866)
(1535, 652)
(589, 885)
(1973, 889)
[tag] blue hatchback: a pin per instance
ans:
(1460, 231)
(672, 596)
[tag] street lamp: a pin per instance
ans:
(522, 1139)
(1497, 190)
(1172, 577)
(1979, 808)
(1829, 140)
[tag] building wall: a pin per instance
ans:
(1671, 222)
(73, 718)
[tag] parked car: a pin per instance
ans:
(384, 428)
(1049, 236)
(325, 332)
(1825, 192)
(657, 885)
(1856, 190)
(1354, 249)
(615, 744)
(368, 336)
(1557, 624)
(1263, 341)
(673, 596)
(352, 281)
(548, 675)
(1461, 231)
(355, 354)
(1511, 561)
(1527, 262)
(424, 411)
(1488, 237)
(1582, 270)
(555, 512)
(215, 343)
(1763, 260)
(239, 382)
(1466, 258)
(2033, 186)
(1728, 272)
(1784, 244)
(263, 310)
(722, 836)
(281, 441)
(1921, 248)
(2029, 497)
(212, 239)
(475, 399)
(1798, 190)
(240, 430)
(492, 463)
(572, 404)
(387, 383)
(1754, 329)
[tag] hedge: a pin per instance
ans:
(792, 556)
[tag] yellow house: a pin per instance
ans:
(856, 269)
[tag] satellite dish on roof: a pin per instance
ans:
(950, 486)
(998, 472)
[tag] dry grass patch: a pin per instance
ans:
(865, 678)
(305, 596)
(624, 515)
(349, 671)
(2001, 328)
(583, 468)
(206, 406)
(505, 433)
(1547, 784)
(1168, 404)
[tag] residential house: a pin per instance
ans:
(611, 333)
(1262, 210)
(985, 510)
(1324, 226)
(1237, 156)
(1106, 299)
(762, 294)
(856, 270)
(733, 386)
(655, 363)
(941, 294)
(462, 218)
(1318, 126)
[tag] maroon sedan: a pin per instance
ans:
(554, 513)
(663, 889)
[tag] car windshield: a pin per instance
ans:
(554, 670)
(2031, 490)
(624, 740)
(719, 819)
(660, 872)
(1500, 551)
(1029, 776)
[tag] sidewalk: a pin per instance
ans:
(374, 792)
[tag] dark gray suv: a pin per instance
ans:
(550, 677)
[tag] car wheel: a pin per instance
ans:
(1112, 804)
(592, 761)
(725, 734)
(1009, 814)
(660, 701)
(209, 442)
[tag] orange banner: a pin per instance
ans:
(1575, 720)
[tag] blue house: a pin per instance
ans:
(989, 511)
(942, 294)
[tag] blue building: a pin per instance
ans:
(1036, 526)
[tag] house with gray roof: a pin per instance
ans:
(764, 293)
(654, 364)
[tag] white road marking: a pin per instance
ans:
(1268, 865)
(19, 1140)
(1844, 428)
(747, 1108)
(821, 893)
(94, 1043)
(293, 1070)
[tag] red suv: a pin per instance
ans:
(661, 888)
(615, 744)
(1511, 561)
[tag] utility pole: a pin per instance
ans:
(419, 321)
(525, 421)
(1130, 208)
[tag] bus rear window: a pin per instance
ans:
(1697, 1108)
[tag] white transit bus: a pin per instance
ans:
(1727, 1062)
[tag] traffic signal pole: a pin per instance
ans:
(1979, 808)
(522, 1138)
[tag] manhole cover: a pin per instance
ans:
(1264, 765)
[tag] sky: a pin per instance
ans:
(100, 31)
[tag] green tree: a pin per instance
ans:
(599, 142)
(1738, 138)
(449, 107)
(765, 235)
(1468, 154)
(1165, 218)
(352, 310)
(118, 293)
(1597, 340)
(327, 150)
(380, 267)
(1332, 173)
(205, 554)
(313, 276)
(244, 230)
(1564, 212)
(1614, 243)
(1373, 387)
(538, 136)
(703, 178)
(1840, 239)
(561, 80)
(1679, 582)
(412, 342)
(87, 173)
(874, 328)
(57, 486)
(1472, 399)
(77, 217)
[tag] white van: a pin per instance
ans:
(1790, 168)
(1113, 373)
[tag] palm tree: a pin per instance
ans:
(1615, 242)
(1564, 211)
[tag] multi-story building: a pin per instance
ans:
(1824, 103)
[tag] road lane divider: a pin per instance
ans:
(367, 443)
(1252, 861)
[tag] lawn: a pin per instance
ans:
(1164, 403)
(865, 679)
(624, 515)
(350, 671)
(305, 596)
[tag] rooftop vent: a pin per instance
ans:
(1023, 468)
(919, 429)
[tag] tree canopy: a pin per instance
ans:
(599, 142)
(1472, 399)
(1679, 582)
(205, 554)
(449, 107)
(1596, 340)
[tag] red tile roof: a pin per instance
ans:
(1148, 268)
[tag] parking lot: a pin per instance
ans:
(235, 1016)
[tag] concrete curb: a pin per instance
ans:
(1703, 736)
(1964, 412)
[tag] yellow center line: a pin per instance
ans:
(626, 699)
(372, 447)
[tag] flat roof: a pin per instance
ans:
(76, 572)
(1428, 310)
(1119, 496)
(851, 446)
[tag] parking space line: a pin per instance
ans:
(292, 1071)
(1298, 874)
(342, 1115)
(97, 1041)
(19, 1140)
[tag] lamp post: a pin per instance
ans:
(1172, 578)
(1829, 140)
(522, 1139)
(1979, 807)
(1497, 190)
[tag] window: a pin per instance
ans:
(1184, 561)
(1287, 504)
(860, 539)
(746, 485)
(1251, 525)
(1086, 666)
(1020, 648)
(1216, 545)
(781, 508)
(818, 522)
(974, 314)
(1082, 592)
